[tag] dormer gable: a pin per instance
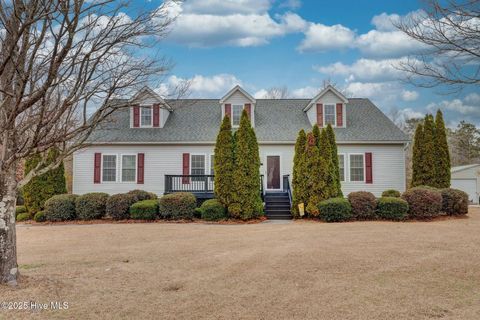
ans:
(148, 109)
(328, 107)
(233, 104)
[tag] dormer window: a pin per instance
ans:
(236, 115)
(146, 116)
(329, 115)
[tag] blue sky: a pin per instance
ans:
(264, 43)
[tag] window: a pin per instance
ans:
(109, 168)
(356, 167)
(212, 159)
(236, 114)
(341, 166)
(129, 168)
(146, 117)
(197, 166)
(329, 114)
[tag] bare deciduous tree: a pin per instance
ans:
(277, 93)
(59, 60)
(449, 34)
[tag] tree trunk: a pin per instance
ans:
(8, 245)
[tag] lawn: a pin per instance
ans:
(297, 270)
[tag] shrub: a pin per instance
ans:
(144, 210)
(391, 193)
(118, 206)
(23, 216)
(40, 216)
(20, 209)
(198, 213)
(392, 208)
(91, 205)
(335, 209)
(454, 201)
(180, 205)
(423, 203)
(140, 195)
(363, 204)
(60, 207)
(212, 210)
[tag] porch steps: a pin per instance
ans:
(277, 206)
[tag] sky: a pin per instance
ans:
(260, 44)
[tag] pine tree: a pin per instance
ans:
(245, 203)
(315, 184)
(224, 163)
(334, 149)
(298, 179)
(417, 161)
(43, 187)
(442, 165)
(316, 134)
(428, 158)
(328, 167)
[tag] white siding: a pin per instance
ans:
(460, 178)
(388, 166)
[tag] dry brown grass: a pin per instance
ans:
(301, 270)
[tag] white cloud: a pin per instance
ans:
(201, 86)
(305, 92)
(291, 4)
(260, 94)
(229, 23)
(456, 105)
(408, 95)
(473, 98)
(387, 44)
(319, 37)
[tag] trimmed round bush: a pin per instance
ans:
(40, 216)
(118, 206)
(423, 203)
(144, 210)
(60, 207)
(20, 209)
(23, 216)
(91, 205)
(140, 195)
(454, 202)
(392, 208)
(179, 205)
(363, 205)
(391, 193)
(335, 210)
(213, 210)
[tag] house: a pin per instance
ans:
(164, 146)
(467, 179)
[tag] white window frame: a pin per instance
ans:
(121, 167)
(233, 107)
(116, 167)
(210, 162)
(151, 116)
(205, 161)
(349, 167)
(344, 166)
(334, 124)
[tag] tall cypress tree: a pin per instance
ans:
(224, 163)
(315, 185)
(442, 164)
(255, 179)
(334, 150)
(429, 154)
(298, 179)
(316, 134)
(328, 167)
(417, 161)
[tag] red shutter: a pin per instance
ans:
(368, 167)
(140, 167)
(136, 116)
(248, 108)
(156, 115)
(320, 114)
(186, 168)
(97, 164)
(339, 115)
(228, 110)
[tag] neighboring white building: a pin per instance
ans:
(156, 144)
(466, 178)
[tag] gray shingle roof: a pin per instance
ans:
(275, 121)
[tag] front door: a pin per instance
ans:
(273, 172)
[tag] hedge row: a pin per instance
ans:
(416, 203)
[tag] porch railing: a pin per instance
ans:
(287, 188)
